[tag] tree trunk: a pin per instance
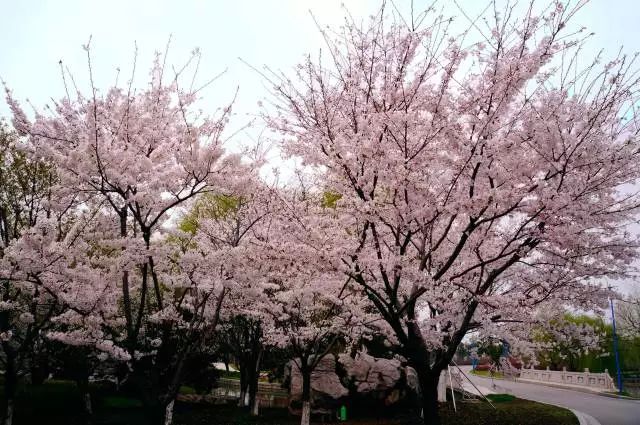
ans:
(8, 411)
(8, 419)
(254, 377)
(429, 395)
(306, 413)
(243, 396)
(10, 386)
(243, 386)
(77, 362)
(157, 395)
(11, 366)
(161, 413)
(83, 386)
(168, 418)
(87, 405)
(253, 392)
(39, 367)
(427, 368)
(306, 396)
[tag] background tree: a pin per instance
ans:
(492, 349)
(579, 341)
(308, 303)
(575, 342)
(238, 225)
(242, 336)
(26, 312)
(628, 315)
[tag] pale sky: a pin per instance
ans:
(36, 34)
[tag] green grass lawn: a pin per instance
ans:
(501, 398)
(508, 410)
(59, 403)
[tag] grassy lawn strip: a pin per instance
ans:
(509, 411)
(487, 374)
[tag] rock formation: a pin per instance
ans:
(361, 381)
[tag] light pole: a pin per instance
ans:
(615, 347)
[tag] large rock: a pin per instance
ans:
(325, 383)
(371, 374)
(361, 381)
(411, 376)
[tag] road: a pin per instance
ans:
(607, 410)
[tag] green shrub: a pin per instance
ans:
(119, 402)
(187, 390)
(230, 374)
(501, 398)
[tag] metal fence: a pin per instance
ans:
(269, 394)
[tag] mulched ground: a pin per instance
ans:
(513, 412)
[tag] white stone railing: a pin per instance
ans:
(595, 381)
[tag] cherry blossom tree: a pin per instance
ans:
(570, 341)
(479, 180)
(237, 226)
(128, 160)
(39, 281)
(308, 303)
(26, 312)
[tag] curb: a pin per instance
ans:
(585, 419)
(621, 397)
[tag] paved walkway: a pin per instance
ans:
(590, 408)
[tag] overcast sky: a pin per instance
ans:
(36, 34)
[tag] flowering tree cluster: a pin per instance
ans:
(26, 309)
(124, 162)
(477, 182)
(309, 305)
(458, 187)
(572, 341)
(236, 226)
